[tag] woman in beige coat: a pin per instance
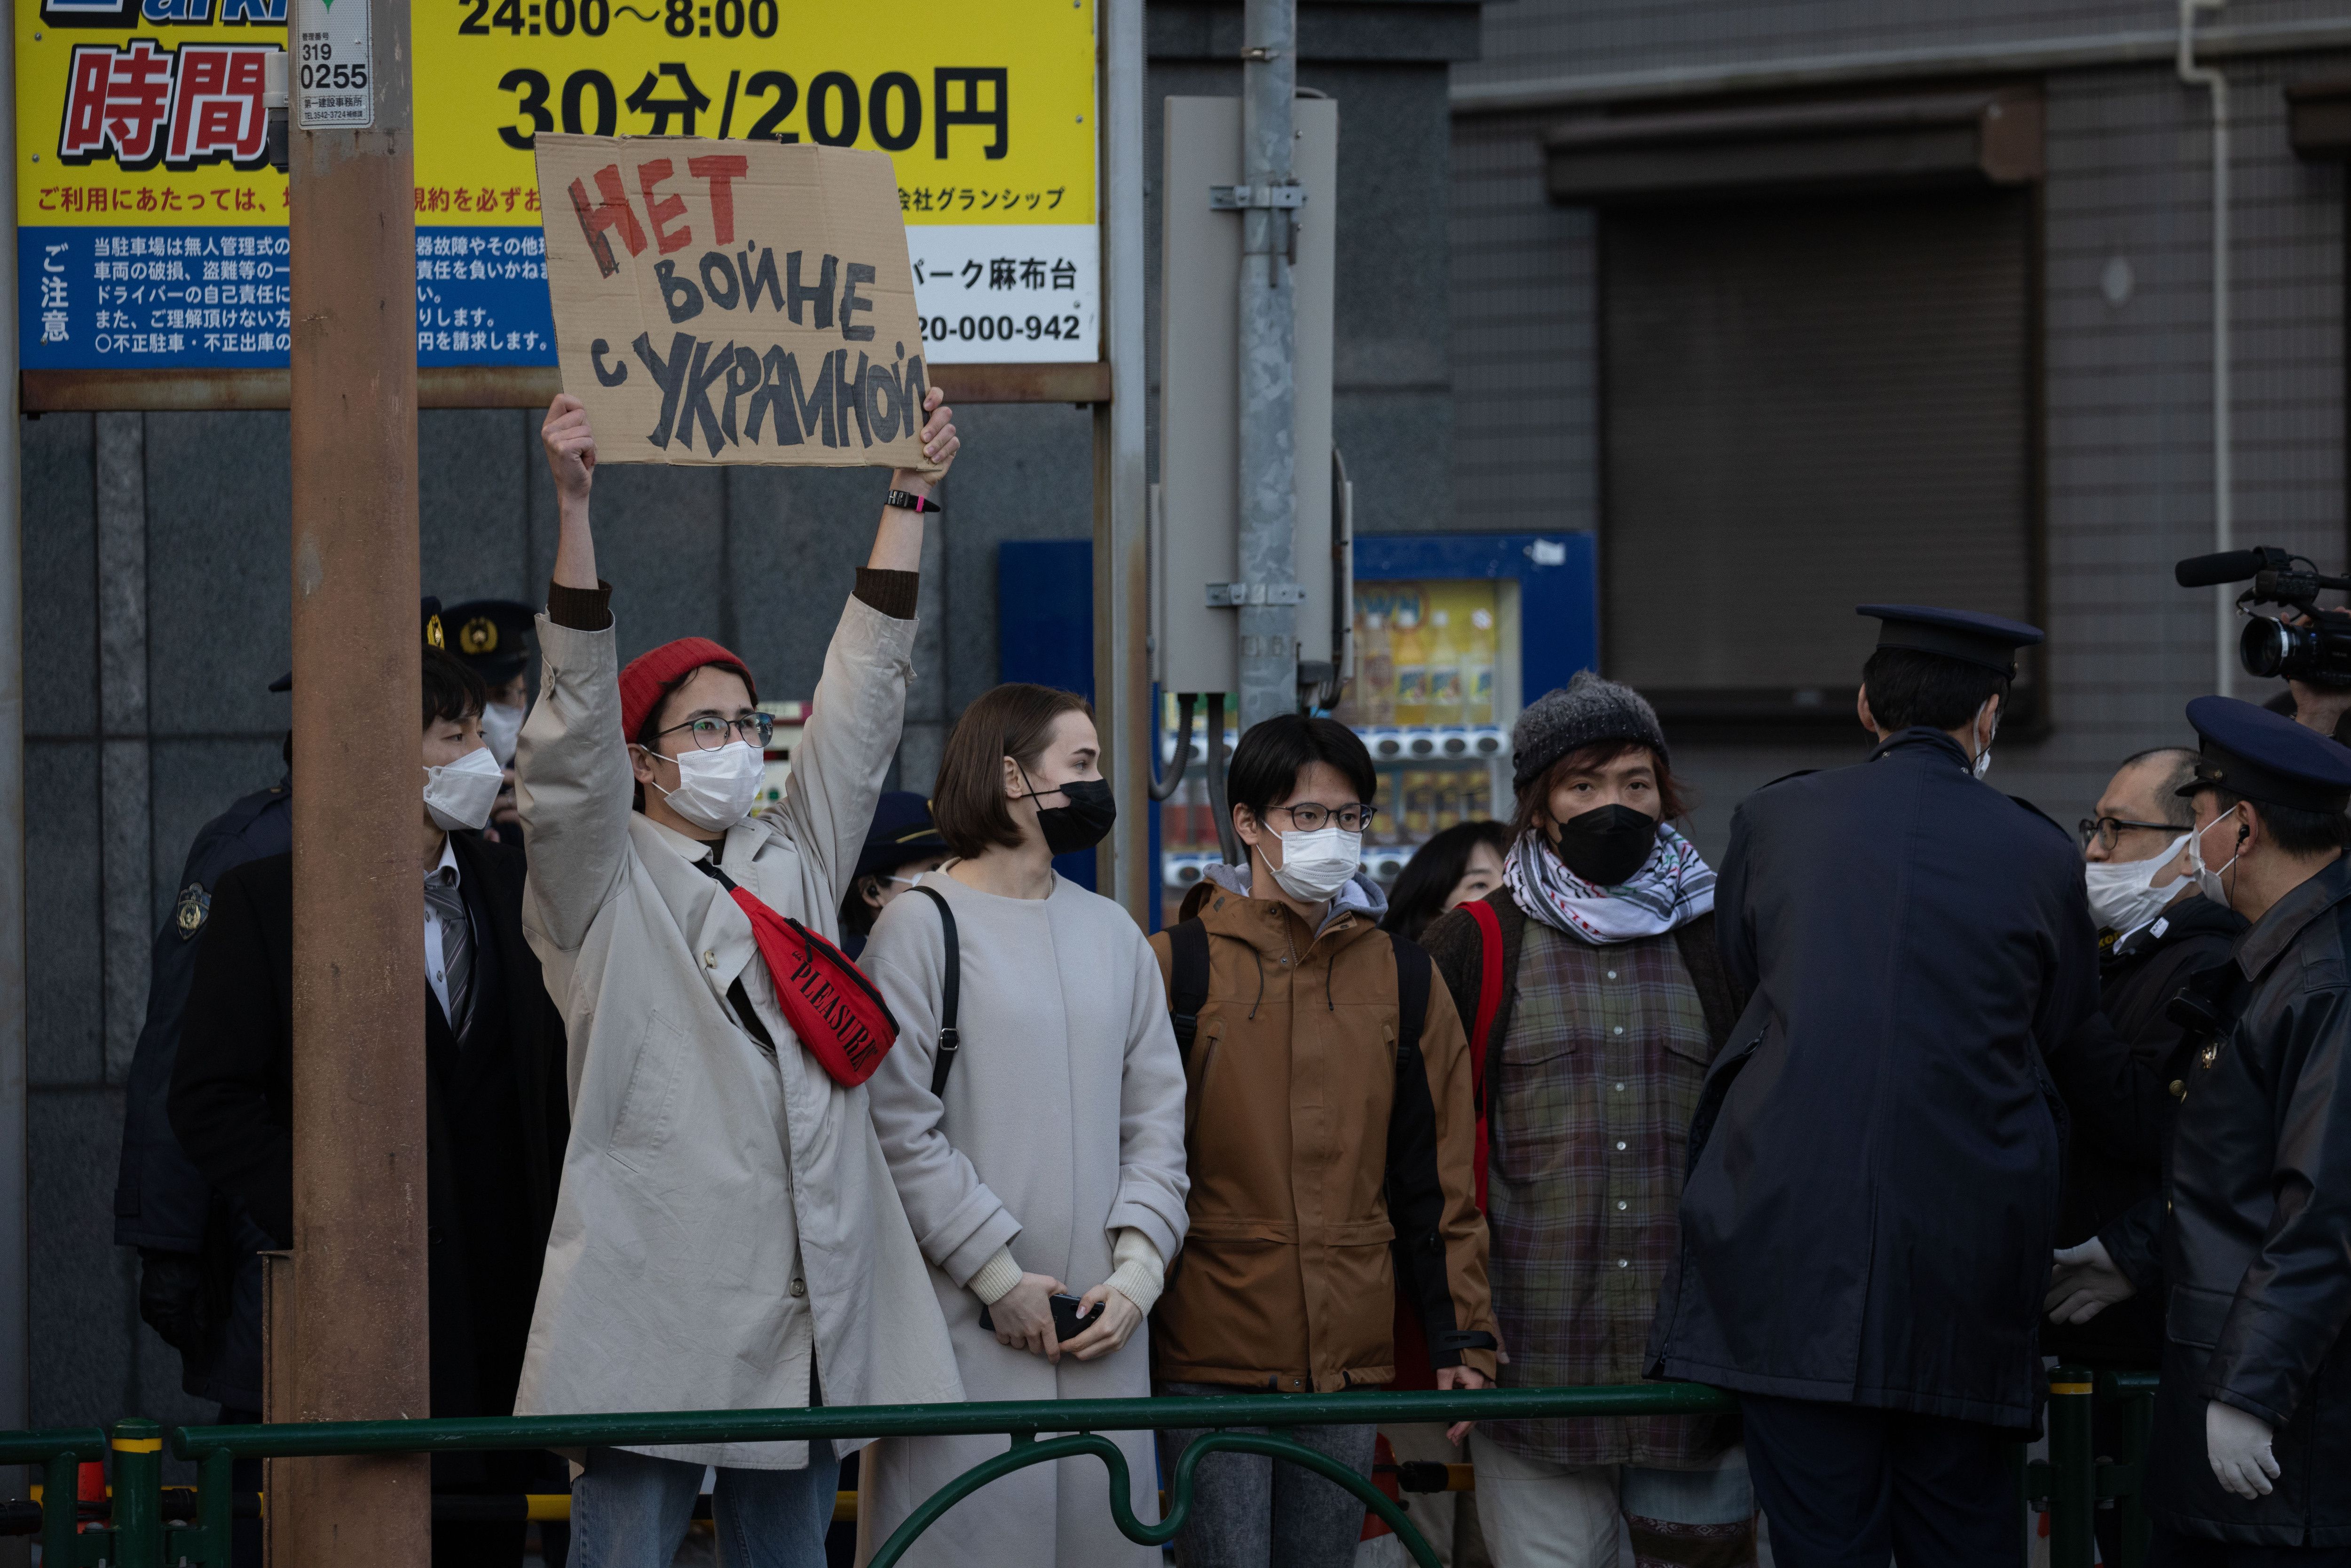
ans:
(1053, 1158)
(727, 1234)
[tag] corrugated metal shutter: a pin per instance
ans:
(1808, 405)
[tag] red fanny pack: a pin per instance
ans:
(831, 1005)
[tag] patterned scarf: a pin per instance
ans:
(1673, 887)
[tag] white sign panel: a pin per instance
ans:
(333, 68)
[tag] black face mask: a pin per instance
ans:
(1083, 823)
(1607, 844)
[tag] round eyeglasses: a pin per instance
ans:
(757, 729)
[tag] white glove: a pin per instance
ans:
(2239, 1446)
(2086, 1283)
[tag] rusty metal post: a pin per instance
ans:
(358, 1288)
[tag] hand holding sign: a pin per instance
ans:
(736, 302)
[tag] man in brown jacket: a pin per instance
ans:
(1328, 1133)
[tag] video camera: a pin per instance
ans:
(2317, 650)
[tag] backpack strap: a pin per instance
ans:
(950, 990)
(1187, 986)
(1489, 993)
(1490, 982)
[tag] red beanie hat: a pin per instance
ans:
(651, 674)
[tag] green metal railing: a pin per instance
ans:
(137, 1531)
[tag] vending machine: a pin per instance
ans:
(1453, 635)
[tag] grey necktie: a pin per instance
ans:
(448, 905)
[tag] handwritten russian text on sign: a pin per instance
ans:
(331, 64)
(151, 229)
(733, 301)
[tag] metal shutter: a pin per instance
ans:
(1810, 404)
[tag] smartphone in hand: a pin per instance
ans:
(1066, 1323)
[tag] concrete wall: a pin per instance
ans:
(2128, 385)
(156, 605)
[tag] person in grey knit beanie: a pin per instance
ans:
(1586, 710)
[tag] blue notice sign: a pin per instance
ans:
(204, 298)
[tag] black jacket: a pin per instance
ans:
(2116, 1193)
(495, 1108)
(1875, 1166)
(200, 1285)
(2257, 1257)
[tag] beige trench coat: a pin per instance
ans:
(672, 1281)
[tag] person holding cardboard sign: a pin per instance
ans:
(727, 1235)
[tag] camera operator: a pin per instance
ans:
(2251, 1454)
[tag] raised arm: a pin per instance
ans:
(572, 780)
(860, 699)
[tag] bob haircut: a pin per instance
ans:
(1428, 878)
(1014, 720)
(1536, 796)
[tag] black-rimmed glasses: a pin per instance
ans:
(1308, 816)
(2106, 830)
(757, 729)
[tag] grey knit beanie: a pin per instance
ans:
(1586, 710)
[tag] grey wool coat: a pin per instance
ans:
(1061, 1125)
(725, 1216)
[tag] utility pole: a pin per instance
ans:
(359, 1317)
(1269, 331)
(1121, 489)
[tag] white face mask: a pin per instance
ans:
(2122, 897)
(2207, 880)
(716, 790)
(502, 726)
(1983, 758)
(459, 794)
(1317, 865)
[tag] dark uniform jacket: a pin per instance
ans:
(496, 1114)
(2257, 1257)
(1875, 1164)
(2114, 1188)
(201, 1282)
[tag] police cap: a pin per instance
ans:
(1962, 634)
(428, 613)
(2266, 757)
(493, 635)
(902, 832)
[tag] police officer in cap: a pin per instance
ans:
(1874, 1162)
(492, 637)
(2252, 1461)
(901, 845)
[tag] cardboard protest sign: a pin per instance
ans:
(733, 301)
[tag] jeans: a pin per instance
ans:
(1248, 1511)
(631, 1510)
